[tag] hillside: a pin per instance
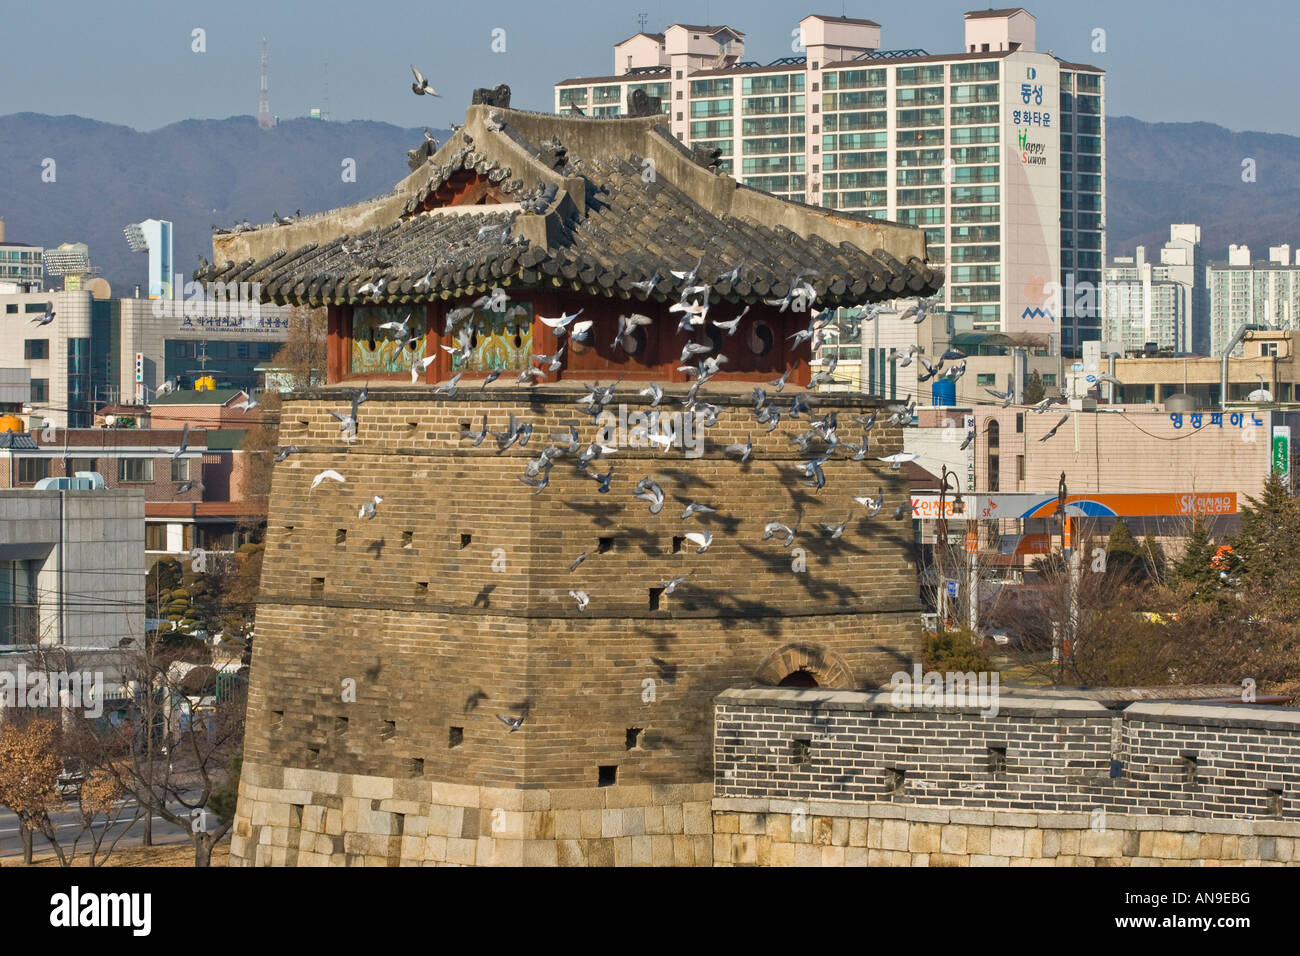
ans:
(195, 173)
(201, 172)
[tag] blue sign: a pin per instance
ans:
(952, 588)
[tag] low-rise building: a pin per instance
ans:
(196, 498)
(71, 567)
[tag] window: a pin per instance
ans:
(19, 614)
(180, 469)
(83, 464)
(134, 469)
(31, 470)
(40, 390)
(36, 349)
(986, 378)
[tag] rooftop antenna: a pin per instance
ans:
(642, 19)
(263, 97)
(325, 113)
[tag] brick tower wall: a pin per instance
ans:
(387, 648)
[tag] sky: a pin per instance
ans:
(132, 62)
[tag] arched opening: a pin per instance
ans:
(799, 678)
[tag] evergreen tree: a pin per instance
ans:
(1268, 546)
(1123, 559)
(1154, 559)
(1034, 390)
(1193, 567)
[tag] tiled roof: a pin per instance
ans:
(17, 441)
(211, 396)
(613, 218)
(1003, 12)
(829, 19)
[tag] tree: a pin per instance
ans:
(31, 759)
(1193, 566)
(1034, 391)
(1124, 557)
(1153, 555)
(1264, 553)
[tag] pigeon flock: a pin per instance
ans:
(820, 442)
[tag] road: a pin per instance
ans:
(68, 822)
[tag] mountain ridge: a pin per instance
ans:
(201, 172)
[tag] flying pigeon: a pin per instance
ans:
(702, 538)
(1064, 419)
(421, 86)
(368, 509)
(329, 473)
(581, 598)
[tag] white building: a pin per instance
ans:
(1161, 303)
(21, 266)
(1244, 291)
(86, 356)
(154, 236)
(997, 152)
(71, 566)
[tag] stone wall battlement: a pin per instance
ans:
(1037, 754)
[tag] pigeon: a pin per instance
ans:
(402, 328)
(867, 423)
(284, 453)
(694, 348)
(689, 277)
(46, 318)
(603, 480)
(551, 363)
(902, 507)
(479, 435)
(418, 367)
(374, 288)
(693, 508)
(646, 286)
(593, 452)
(530, 376)
(581, 598)
(654, 392)
(1005, 397)
(627, 324)
(702, 538)
(952, 355)
(648, 490)
(581, 331)
(873, 505)
(329, 473)
(424, 284)
(184, 442)
(1064, 419)
(730, 325)
(733, 276)
(577, 561)
(1047, 403)
(970, 437)
(772, 527)
(539, 483)
(559, 326)
(496, 123)
(421, 86)
(514, 723)
(837, 530)
(448, 387)
(779, 383)
(897, 461)
(671, 586)
(745, 451)
(188, 486)
(812, 470)
(930, 370)
(368, 509)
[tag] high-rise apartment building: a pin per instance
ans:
(1243, 291)
(21, 268)
(997, 151)
(1162, 303)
